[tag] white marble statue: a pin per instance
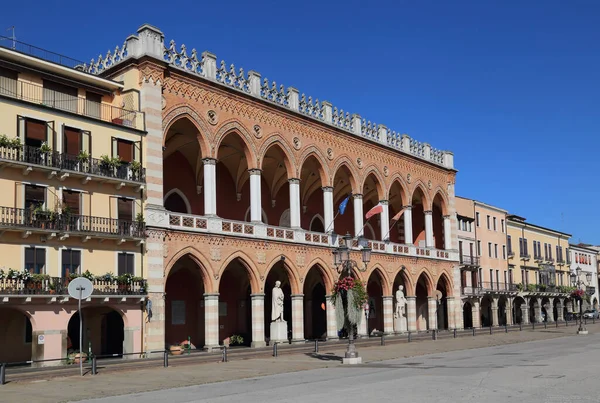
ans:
(277, 303)
(400, 303)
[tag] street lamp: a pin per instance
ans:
(576, 282)
(344, 265)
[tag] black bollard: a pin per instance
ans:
(166, 359)
(506, 328)
(316, 345)
(275, 349)
(224, 359)
(545, 325)
(455, 333)
(490, 329)
(409, 337)
(434, 335)
(2, 373)
(94, 365)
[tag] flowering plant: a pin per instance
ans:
(578, 293)
(355, 285)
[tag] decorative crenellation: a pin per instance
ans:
(150, 40)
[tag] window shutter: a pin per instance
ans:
(86, 141)
(115, 145)
(76, 260)
(21, 127)
(50, 137)
(40, 257)
(29, 257)
(130, 268)
(121, 264)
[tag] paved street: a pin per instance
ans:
(549, 371)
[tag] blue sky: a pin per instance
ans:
(511, 87)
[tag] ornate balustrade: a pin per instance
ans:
(58, 286)
(215, 225)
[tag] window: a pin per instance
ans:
(502, 225)
(503, 251)
(126, 150)
(71, 201)
(489, 249)
(60, 96)
(477, 218)
(525, 247)
(496, 250)
(71, 262)
(8, 82)
(509, 244)
(35, 260)
(125, 263)
(495, 224)
(92, 104)
(125, 209)
(460, 248)
(35, 132)
(35, 196)
(491, 278)
(488, 222)
(75, 141)
(478, 248)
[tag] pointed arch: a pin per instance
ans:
(312, 151)
(409, 286)
(178, 192)
(291, 271)
(275, 139)
(345, 161)
(234, 126)
(429, 283)
(385, 281)
(372, 170)
(421, 188)
(403, 188)
(197, 257)
(322, 267)
(444, 200)
(246, 262)
(445, 280)
(174, 114)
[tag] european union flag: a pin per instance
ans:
(343, 204)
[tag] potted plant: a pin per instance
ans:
(75, 356)
(520, 287)
(135, 167)
(82, 160)
(176, 349)
(235, 339)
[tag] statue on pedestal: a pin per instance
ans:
(278, 324)
(400, 324)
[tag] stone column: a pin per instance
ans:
(363, 327)
(210, 186)
(328, 208)
(550, 310)
(475, 314)
(447, 233)
(494, 312)
(385, 220)
(538, 311)
(388, 314)
(332, 330)
(432, 313)
(255, 195)
(508, 312)
(411, 313)
(525, 313)
(294, 202)
(560, 311)
(408, 234)
(450, 303)
(258, 320)
(358, 215)
(211, 321)
(429, 229)
(298, 318)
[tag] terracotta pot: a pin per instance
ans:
(176, 350)
(76, 358)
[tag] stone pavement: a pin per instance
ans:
(106, 384)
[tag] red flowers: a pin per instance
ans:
(578, 293)
(345, 283)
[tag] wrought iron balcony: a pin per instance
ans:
(33, 156)
(511, 254)
(25, 220)
(38, 95)
(468, 260)
(538, 258)
(495, 286)
(525, 256)
(472, 290)
(44, 285)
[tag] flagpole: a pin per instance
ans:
(332, 221)
(390, 230)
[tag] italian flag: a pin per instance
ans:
(378, 209)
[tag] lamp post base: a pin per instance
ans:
(352, 361)
(582, 332)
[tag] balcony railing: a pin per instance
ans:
(86, 166)
(525, 256)
(471, 290)
(40, 53)
(18, 218)
(58, 286)
(469, 260)
(511, 254)
(39, 95)
(216, 225)
(494, 286)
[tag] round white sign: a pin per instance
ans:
(80, 288)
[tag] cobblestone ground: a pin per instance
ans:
(106, 384)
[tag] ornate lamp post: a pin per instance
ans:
(344, 266)
(575, 280)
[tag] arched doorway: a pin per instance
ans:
(502, 303)
(311, 194)
(422, 293)
(235, 307)
(343, 185)
(533, 309)
(372, 192)
(442, 303)
(467, 315)
(276, 173)
(438, 209)
(486, 311)
(16, 333)
(375, 293)
(397, 201)
(555, 308)
(184, 303)
(103, 332)
(315, 304)
(418, 217)
(278, 273)
(518, 310)
(176, 202)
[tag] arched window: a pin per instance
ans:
(316, 224)
(176, 202)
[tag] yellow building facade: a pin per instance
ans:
(72, 186)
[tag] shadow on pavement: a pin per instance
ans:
(324, 357)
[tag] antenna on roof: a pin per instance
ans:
(13, 37)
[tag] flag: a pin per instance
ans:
(397, 216)
(343, 205)
(378, 209)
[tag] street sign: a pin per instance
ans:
(80, 288)
(41, 339)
